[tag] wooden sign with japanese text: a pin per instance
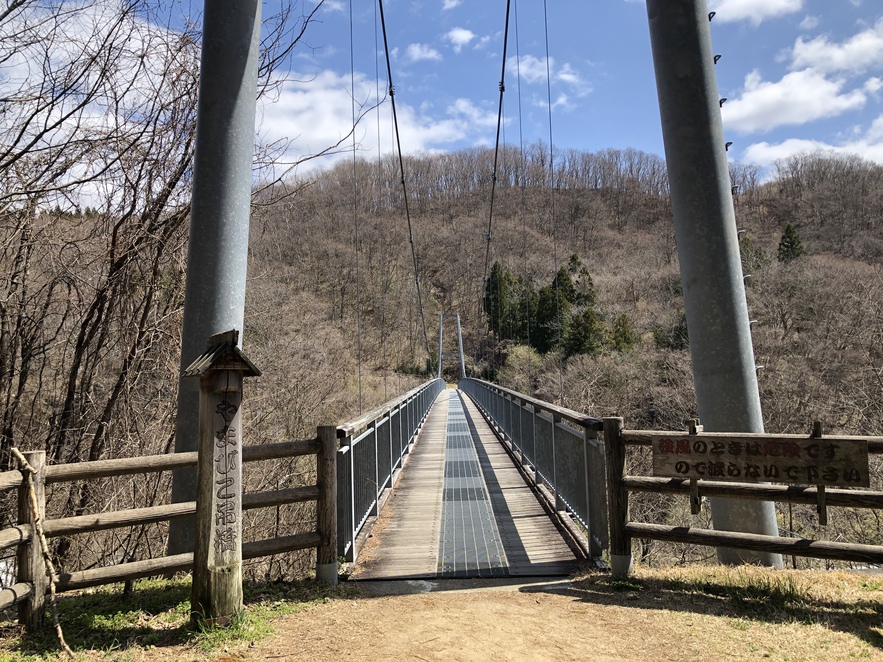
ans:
(762, 458)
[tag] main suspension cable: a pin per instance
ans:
(487, 254)
(395, 121)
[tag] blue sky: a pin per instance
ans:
(798, 74)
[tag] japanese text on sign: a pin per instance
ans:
(822, 461)
(226, 458)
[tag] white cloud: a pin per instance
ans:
(465, 109)
(859, 53)
(333, 5)
(755, 11)
(314, 112)
(567, 74)
(418, 52)
(809, 23)
(766, 154)
(450, 4)
(800, 97)
(459, 37)
(868, 146)
(873, 86)
(533, 71)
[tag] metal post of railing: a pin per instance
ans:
(596, 510)
(351, 554)
(559, 503)
(524, 457)
(393, 457)
(587, 479)
(375, 509)
(538, 478)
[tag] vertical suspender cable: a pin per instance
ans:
(395, 122)
(552, 203)
(356, 209)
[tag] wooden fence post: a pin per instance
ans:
(31, 567)
(617, 499)
(326, 506)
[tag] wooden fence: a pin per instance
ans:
(622, 530)
(31, 582)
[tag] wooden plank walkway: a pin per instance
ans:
(462, 509)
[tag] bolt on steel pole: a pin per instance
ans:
(708, 248)
(214, 299)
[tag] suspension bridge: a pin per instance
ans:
(476, 481)
(463, 507)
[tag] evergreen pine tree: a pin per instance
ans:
(498, 301)
(790, 246)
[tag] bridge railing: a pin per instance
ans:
(559, 446)
(372, 448)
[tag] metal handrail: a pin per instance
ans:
(576, 418)
(372, 449)
(560, 447)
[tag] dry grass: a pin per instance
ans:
(750, 612)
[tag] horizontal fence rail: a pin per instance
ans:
(372, 449)
(562, 448)
(29, 591)
(622, 530)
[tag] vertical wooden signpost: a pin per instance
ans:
(216, 595)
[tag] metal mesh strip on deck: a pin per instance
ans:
(470, 543)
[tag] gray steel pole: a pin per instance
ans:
(708, 246)
(460, 346)
(222, 176)
(441, 323)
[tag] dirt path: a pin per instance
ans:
(547, 620)
(486, 621)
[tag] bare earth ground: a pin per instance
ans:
(541, 621)
(838, 617)
(697, 613)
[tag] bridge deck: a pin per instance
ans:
(462, 509)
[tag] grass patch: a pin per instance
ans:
(156, 613)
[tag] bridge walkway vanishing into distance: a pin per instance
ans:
(462, 508)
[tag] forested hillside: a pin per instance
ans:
(582, 304)
(582, 280)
